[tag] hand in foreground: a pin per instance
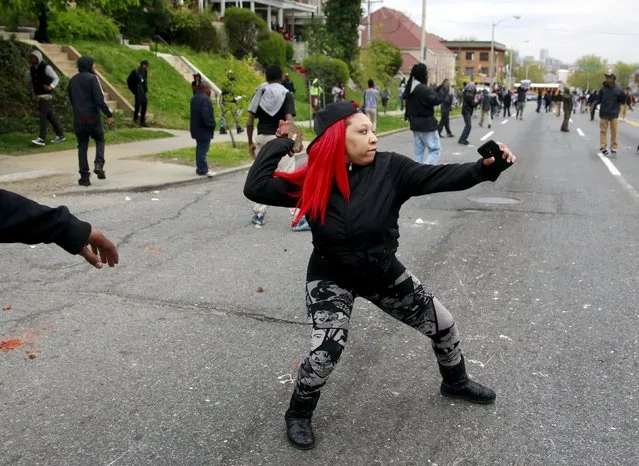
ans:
(102, 250)
(508, 156)
(252, 149)
(110, 120)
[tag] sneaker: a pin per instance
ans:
(613, 152)
(239, 130)
(58, 139)
(488, 126)
(100, 173)
(451, 135)
(258, 219)
(604, 152)
(465, 143)
(302, 225)
(210, 174)
(222, 131)
(84, 182)
(39, 142)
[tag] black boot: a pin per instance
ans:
(456, 384)
(298, 420)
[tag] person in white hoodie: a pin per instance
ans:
(44, 80)
(271, 103)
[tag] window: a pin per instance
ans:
(470, 55)
(469, 71)
(483, 56)
(484, 70)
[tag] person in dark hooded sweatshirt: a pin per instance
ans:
(87, 100)
(421, 101)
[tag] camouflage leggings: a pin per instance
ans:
(330, 306)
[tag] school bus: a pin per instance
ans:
(533, 88)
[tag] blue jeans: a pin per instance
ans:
(201, 151)
(467, 126)
(427, 140)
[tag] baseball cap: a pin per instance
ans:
(331, 115)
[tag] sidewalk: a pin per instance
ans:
(57, 172)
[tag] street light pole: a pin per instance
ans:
(492, 47)
(510, 67)
(422, 47)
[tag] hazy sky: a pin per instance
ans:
(567, 28)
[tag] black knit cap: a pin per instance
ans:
(330, 115)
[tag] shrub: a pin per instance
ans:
(379, 62)
(81, 24)
(244, 29)
(272, 50)
(194, 30)
(290, 52)
(328, 70)
(18, 109)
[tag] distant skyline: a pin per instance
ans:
(568, 28)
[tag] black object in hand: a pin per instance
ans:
(491, 149)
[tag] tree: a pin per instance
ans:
(588, 74)
(328, 70)
(244, 28)
(380, 62)
(529, 70)
(344, 17)
(317, 39)
(624, 72)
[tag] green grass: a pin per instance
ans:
(20, 143)
(169, 93)
(221, 155)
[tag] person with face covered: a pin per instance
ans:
(87, 100)
(351, 195)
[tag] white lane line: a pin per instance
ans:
(581, 133)
(617, 174)
(487, 136)
(504, 122)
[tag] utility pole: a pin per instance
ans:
(369, 27)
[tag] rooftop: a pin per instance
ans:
(473, 44)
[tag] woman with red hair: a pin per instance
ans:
(351, 196)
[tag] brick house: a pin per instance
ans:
(395, 27)
(473, 59)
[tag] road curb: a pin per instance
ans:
(171, 184)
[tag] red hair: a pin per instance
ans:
(326, 166)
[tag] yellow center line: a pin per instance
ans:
(633, 123)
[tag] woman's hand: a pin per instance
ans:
(508, 156)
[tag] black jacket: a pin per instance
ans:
(468, 100)
(86, 95)
(420, 107)
(288, 84)
(447, 101)
(137, 82)
(521, 94)
(610, 99)
(25, 221)
(202, 117)
(360, 236)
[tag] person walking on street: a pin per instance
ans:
(202, 127)
(592, 104)
(371, 96)
(288, 84)
(445, 107)
(44, 80)
(421, 101)
(568, 108)
(521, 102)
(468, 106)
(352, 194)
(400, 94)
(625, 105)
(338, 92)
(87, 100)
(385, 95)
(485, 109)
(23, 220)
(548, 101)
(139, 86)
(610, 98)
(271, 104)
(508, 98)
(539, 100)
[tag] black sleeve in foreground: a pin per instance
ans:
(261, 186)
(25, 221)
(416, 179)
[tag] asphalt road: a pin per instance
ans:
(174, 357)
